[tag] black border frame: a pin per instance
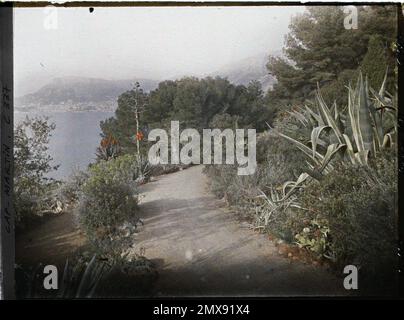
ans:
(7, 254)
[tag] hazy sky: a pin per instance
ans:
(155, 43)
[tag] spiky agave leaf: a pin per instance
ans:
(350, 151)
(332, 150)
(354, 132)
(293, 185)
(353, 111)
(91, 278)
(388, 140)
(305, 149)
(315, 137)
(66, 279)
(359, 114)
(316, 119)
(328, 117)
(365, 121)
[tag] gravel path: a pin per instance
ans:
(201, 249)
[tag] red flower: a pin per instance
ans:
(139, 136)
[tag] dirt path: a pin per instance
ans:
(201, 249)
(49, 242)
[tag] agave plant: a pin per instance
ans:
(279, 200)
(354, 133)
(109, 148)
(79, 280)
(143, 170)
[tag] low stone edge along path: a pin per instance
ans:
(201, 249)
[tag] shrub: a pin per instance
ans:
(377, 51)
(280, 161)
(277, 161)
(343, 205)
(69, 191)
(160, 169)
(358, 205)
(224, 121)
(108, 198)
(33, 189)
(356, 134)
(336, 89)
(79, 278)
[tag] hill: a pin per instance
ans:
(247, 70)
(78, 94)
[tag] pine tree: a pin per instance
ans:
(318, 48)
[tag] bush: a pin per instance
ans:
(336, 89)
(277, 161)
(79, 278)
(160, 169)
(34, 191)
(358, 205)
(377, 51)
(107, 199)
(69, 191)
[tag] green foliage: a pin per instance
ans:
(315, 237)
(333, 190)
(109, 148)
(319, 49)
(160, 169)
(375, 64)
(359, 205)
(196, 103)
(33, 189)
(353, 134)
(69, 191)
(122, 127)
(160, 105)
(277, 161)
(108, 198)
(345, 210)
(224, 121)
(336, 91)
(78, 279)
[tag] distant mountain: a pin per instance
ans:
(92, 94)
(247, 70)
(79, 94)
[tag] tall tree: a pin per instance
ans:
(124, 127)
(318, 48)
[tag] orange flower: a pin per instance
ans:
(139, 136)
(108, 141)
(104, 143)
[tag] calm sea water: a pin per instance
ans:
(75, 139)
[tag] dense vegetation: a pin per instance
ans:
(326, 176)
(103, 199)
(33, 189)
(326, 179)
(327, 173)
(196, 103)
(318, 49)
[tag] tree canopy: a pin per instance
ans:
(195, 103)
(318, 48)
